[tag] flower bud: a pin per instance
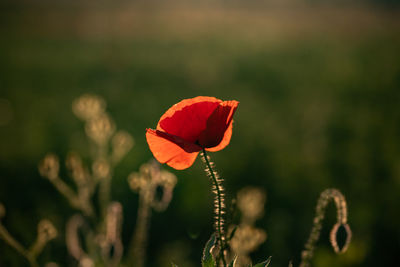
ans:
(86, 262)
(250, 201)
(100, 129)
(46, 230)
(101, 168)
(247, 239)
(88, 106)
(122, 142)
(49, 166)
(136, 181)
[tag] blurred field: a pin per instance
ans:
(319, 89)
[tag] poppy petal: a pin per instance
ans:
(188, 118)
(172, 150)
(217, 126)
(225, 141)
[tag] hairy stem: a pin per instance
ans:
(219, 205)
(325, 198)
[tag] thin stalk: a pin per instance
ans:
(104, 195)
(139, 240)
(341, 207)
(105, 182)
(6, 236)
(219, 205)
(70, 195)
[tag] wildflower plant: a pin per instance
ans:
(145, 183)
(45, 232)
(341, 208)
(204, 124)
(102, 243)
(196, 125)
(246, 237)
(192, 126)
(100, 222)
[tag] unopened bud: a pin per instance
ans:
(46, 230)
(101, 168)
(122, 142)
(78, 173)
(100, 129)
(247, 239)
(88, 106)
(250, 201)
(136, 181)
(49, 166)
(86, 262)
(167, 179)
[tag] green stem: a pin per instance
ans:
(220, 200)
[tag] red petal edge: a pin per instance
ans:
(223, 120)
(184, 103)
(172, 150)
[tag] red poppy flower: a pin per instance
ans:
(189, 127)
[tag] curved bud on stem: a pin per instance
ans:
(341, 207)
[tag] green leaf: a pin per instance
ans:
(207, 260)
(264, 263)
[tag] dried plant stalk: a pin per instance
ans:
(108, 147)
(46, 232)
(49, 168)
(111, 244)
(341, 207)
(145, 182)
(245, 238)
(72, 237)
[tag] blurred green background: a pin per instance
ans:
(319, 90)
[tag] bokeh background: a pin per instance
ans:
(319, 90)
